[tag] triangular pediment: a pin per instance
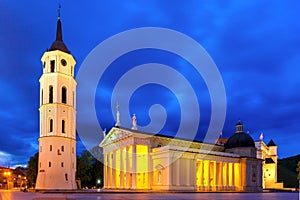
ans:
(115, 134)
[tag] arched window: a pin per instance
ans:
(52, 65)
(63, 126)
(50, 147)
(51, 125)
(49, 164)
(50, 94)
(64, 95)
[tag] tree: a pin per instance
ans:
(84, 168)
(298, 170)
(97, 169)
(32, 170)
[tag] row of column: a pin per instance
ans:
(120, 173)
(216, 176)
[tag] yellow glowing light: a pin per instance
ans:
(142, 166)
(7, 173)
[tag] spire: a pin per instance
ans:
(58, 44)
(58, 27)
(58, 10)
(271, 143)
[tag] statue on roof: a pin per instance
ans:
(118, 121)
(134, 122)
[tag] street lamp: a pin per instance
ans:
(7, 175)
(98, 182)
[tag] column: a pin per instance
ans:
(188, 178)
(233, 184)
(113, 169)
(178, 171)
(121, 168)
(202, 175)
(108, 170)
(208, 174)
(105, 170)
(207, 163)
(127, 168)
(215, 176)
(133, 166)
(150, 170)
(221, 174)
(227, 176)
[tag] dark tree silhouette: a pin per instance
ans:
(32, 170)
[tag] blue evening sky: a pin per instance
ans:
(255, 45)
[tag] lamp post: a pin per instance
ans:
(98, 182)
(7, 175)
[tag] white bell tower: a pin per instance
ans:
(57, 141)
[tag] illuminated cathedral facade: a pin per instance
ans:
(138, 160)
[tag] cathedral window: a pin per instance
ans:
(63, 126)
(50, 94)
(51, 126)
(64, 95)
(50, 147)
(52, 65)
(49, 164)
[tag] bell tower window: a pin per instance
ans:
(64, 95)
(63, 122)
(50, 94)
(52, 65)
(51, 126)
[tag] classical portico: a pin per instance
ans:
(137, 160)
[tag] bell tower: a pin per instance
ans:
(57, 141)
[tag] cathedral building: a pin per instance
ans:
(139, 160)
(57, 141)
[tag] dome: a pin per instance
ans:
(239, 140)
